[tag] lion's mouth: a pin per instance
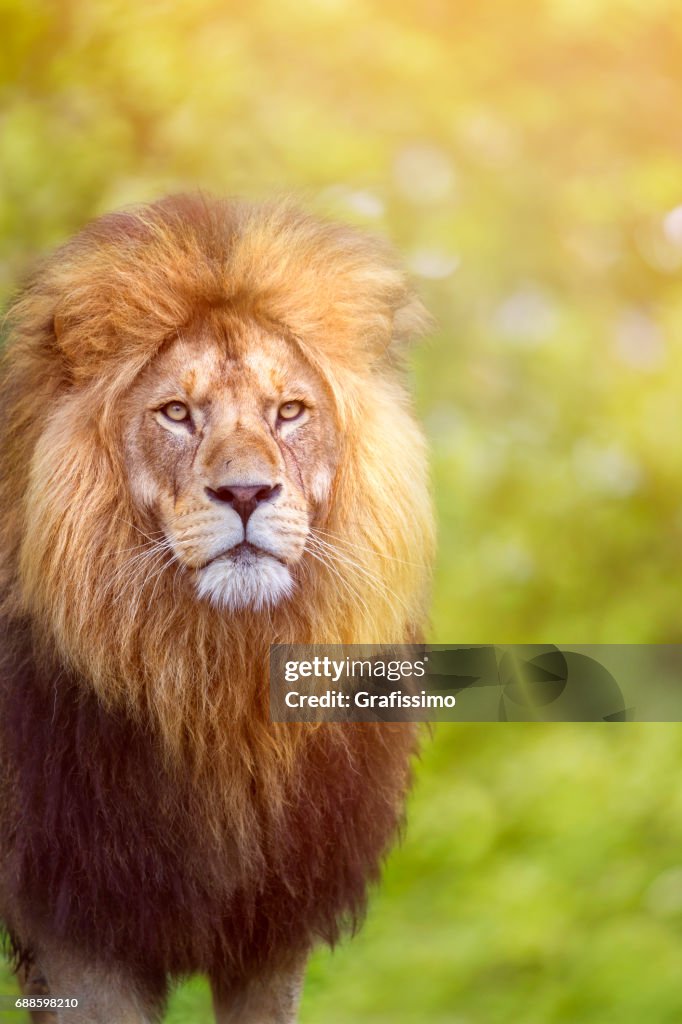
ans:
(242, 576)
(243, 554)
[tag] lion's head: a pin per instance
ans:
(209, 447)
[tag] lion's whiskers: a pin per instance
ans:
(146, 561)
(127, 570)
(361, 572)
(338, 539)
(353, 591)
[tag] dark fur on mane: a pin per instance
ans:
(104, 850)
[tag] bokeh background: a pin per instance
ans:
(526, 157)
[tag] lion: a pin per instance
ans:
(208, 448)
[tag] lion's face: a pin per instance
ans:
(230, 447)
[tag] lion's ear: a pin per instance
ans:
(79, 344)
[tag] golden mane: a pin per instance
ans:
(88, 322)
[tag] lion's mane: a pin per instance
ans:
(134, 724)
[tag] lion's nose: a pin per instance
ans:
(244, 500)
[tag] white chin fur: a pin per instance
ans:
(253, 582)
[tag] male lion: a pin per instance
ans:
(207, 448)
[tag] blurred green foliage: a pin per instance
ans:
(526, 159)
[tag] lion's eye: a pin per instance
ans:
(290, 410)
(176, 411)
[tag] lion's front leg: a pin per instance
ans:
(104, 995)
(267, 999)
